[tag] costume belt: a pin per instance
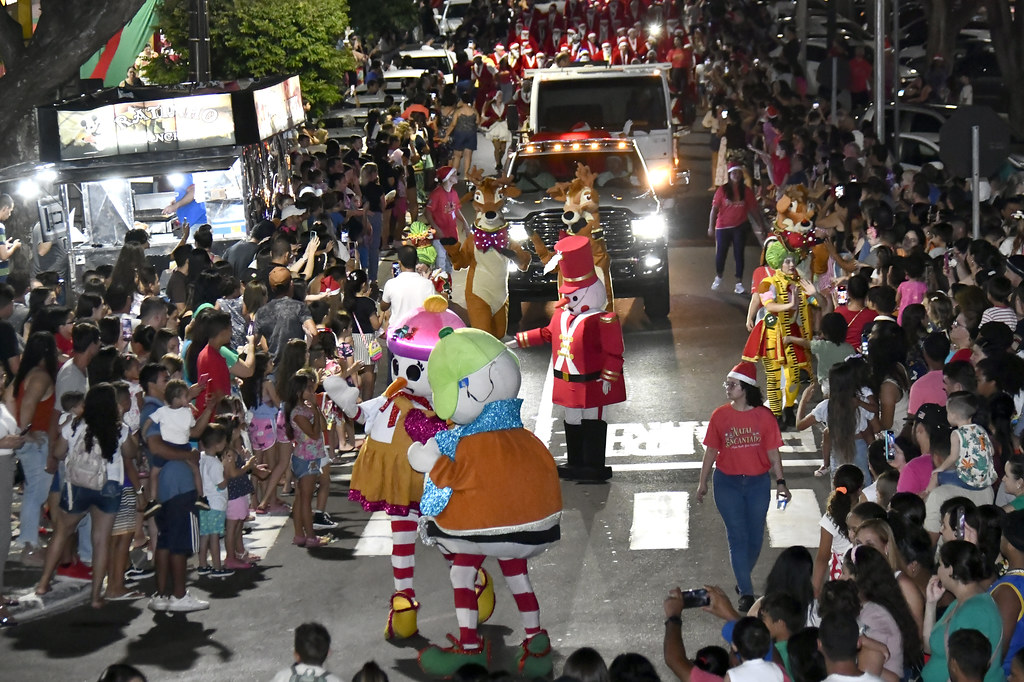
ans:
(576, 378)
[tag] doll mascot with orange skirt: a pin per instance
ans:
(788, 299)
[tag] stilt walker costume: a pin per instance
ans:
(586, 359)
(492, 491)
(788, 299)
(382, 479)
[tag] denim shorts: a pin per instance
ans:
(305, 467)
(177, 529)
(77, 500)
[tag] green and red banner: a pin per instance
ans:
(111, 63)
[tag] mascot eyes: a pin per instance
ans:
(478, 197)
(585, 196)
(394, 366)
(413, 372)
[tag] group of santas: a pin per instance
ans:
(612, 32)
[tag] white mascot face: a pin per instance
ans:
(593, 297)
(414, 372)
(498, 380)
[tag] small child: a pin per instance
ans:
(969, 656)
(969, 464)
(72, 406)
(304, 424)
(782, 615)
(239, 488)
(914, 288)
(998, 290)
(211, 521)
(132, 367)
(174, 366)
(176, 423)
(312, 646)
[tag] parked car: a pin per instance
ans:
(913, 118)
(914, 150)
(634, 226)
(430, 59)
(451, 16)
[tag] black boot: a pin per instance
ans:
(574, 450)
(595, 439)
(789, 414)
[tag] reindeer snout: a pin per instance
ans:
(490, 216)
(569, 217)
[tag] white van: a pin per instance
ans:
(617, 99)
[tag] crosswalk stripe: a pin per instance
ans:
(661, 520)
(797, 524)
(375, 540)
(689, 466)
(647, 439)
(265, 530)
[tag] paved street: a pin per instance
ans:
(623, 544)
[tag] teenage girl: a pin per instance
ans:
(835, 541)
(305, 425)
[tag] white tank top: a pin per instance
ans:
(756, 671)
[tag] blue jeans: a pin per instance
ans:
(860, 460)
(32, 456)
(743, 503)
(737, 236)
(442, 262)
(952, 478)
(369, 251)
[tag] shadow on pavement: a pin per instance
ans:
(77, 632)
(173, 643)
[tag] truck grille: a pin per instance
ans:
(618, 230)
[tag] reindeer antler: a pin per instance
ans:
(475, 175)
(584, 173)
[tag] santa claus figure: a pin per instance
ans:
(622, 54)
(607, 56)
(571, 43)
(529, 59)
(637, 47)
(592, 46)
(586, 359)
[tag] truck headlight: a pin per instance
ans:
(517, 231)
(660, 176)
(650, 227)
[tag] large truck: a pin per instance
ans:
(631, 101)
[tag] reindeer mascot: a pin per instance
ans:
(480, 281)
(580, 218)
(586, 359)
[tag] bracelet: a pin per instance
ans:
(780, 481)
(674, 619)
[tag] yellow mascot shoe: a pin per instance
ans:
(484, 595)
(402, 617)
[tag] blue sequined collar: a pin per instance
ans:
(498, 415)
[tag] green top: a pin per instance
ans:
(978, 613)
(783, 649)
(828, 354)
(1017, 503)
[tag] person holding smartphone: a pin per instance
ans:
(742, 442)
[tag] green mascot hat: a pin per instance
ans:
(458, 354)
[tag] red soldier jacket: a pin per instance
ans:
(585, 349)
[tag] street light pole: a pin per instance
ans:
(879, 70)
(199, 41)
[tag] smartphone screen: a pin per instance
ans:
(695, 598)
(890, 446)
(842, 295)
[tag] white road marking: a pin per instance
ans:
(660, 521)
(375, 540)
(545, 418)
(804, 439)
(651, 439)
(797, 524)
(265, 530)
(690, 466)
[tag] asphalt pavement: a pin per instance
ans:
(624, 544)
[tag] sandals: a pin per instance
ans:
(821, 471)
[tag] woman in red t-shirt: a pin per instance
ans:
(743, 441)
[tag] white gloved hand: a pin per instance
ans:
(605, 386)
(512, 343)
(422, 457)
(344, 396)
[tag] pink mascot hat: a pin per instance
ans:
(416, 335)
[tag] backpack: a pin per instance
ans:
(85, 468)
(307, 676)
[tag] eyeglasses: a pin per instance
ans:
(730, 384)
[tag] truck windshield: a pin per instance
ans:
(605, 103)
(615, 170)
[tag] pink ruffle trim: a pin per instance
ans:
(381, 505)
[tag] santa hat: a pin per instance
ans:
(498, 47)
(745, 372)
(571, 30)
(591, 35)
(514, 47)
(606, 45)
(623, 41)
(444, 172)
(527, 49)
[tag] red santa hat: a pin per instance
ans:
(745, 372)
(571, 30)
(514, 47)
(525, 33)
(498, 47)
(527, 49)
(592, 34)
(623, 41)
(444, 172)
(606, 45)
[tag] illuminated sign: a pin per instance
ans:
(278, 107)
(147, 126)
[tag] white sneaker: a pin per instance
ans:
(717, 283)
(739, 289)
(186, 603)
(158, 602)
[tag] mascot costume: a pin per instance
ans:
(382, 479)
(480, 277)
(787, 298)
(492, 491)
(586, 358)
(580, 217)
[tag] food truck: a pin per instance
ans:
(121, 158)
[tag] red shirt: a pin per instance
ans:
(743, 439)
(855, 321)
(860, 75)
(212, 363)
(442, 206)
(733, 213)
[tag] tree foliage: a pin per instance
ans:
(371, 19)
(263, 38)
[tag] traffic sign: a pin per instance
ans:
(955, 141)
